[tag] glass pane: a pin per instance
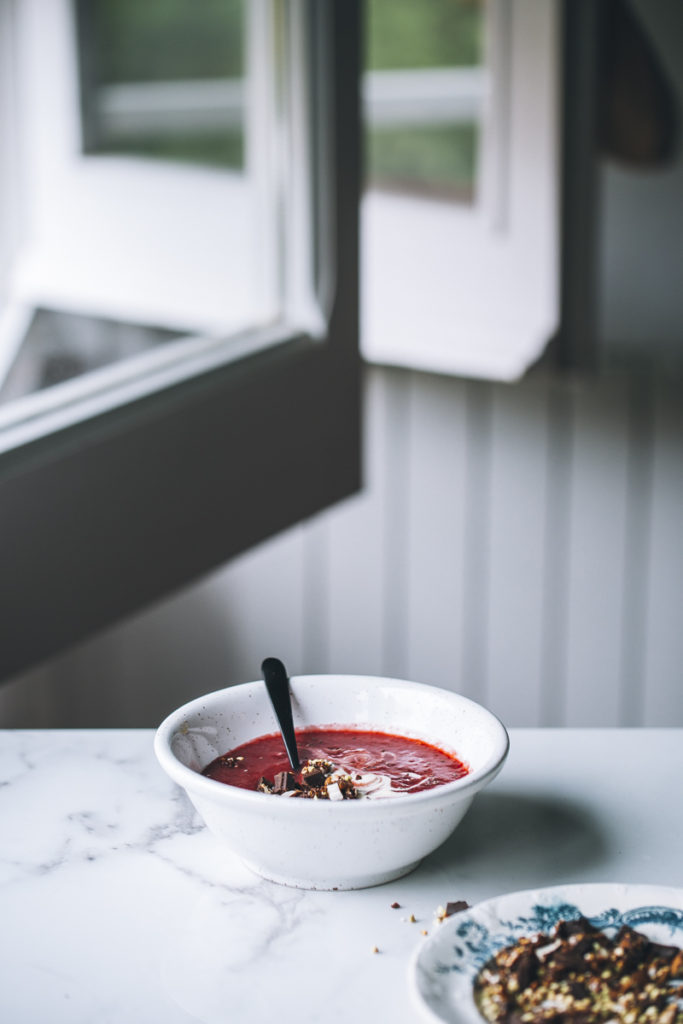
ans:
(424, 90)
(60, 346)
(163, 79)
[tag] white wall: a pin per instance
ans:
(521, 544)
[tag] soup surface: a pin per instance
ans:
(338, 764)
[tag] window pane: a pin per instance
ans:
(424, 88)
(164, 79)
(59, 346)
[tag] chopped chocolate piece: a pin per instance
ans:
(667, 953)
(318, 780)
(578, 990)
(580, 926)
(395, 905)
(345, 785)
(582, 943)
(314, 778)
(456, 907)
(284, 782)
(525, 968)
(563, 961)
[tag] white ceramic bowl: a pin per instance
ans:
(320, 844)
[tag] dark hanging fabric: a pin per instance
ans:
(638, 115)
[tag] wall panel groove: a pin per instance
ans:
(556, 548)
(637, 550)
(476, 568)
(519, 465)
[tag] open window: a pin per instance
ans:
(461, 216)
(178, 295)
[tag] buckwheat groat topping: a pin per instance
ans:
(579, 974)
(317, 780)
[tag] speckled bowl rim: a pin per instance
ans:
(462, 788)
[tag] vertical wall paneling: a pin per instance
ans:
(437, 497)
(519, 465)
(177, 650)
(519, 543)
(664, 626)
(640, 439)
(597, 534)
(355, 566)
(316, 615)
(556, 541)
(264, 602)
(233, 594)
(396, 533)
(476, 567)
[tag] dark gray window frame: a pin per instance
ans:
(110, 514)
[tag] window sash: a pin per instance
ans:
(109, 513)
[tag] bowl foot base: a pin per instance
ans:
(335, 884)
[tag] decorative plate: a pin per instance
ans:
(445, 966)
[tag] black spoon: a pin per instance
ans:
(277, 685)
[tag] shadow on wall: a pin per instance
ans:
(134, 674)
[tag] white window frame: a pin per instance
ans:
(474, 290)
(121, 495)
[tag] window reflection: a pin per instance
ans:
(163, 79)
(424, 90)
(60, 346)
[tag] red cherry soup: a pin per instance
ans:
(394, 765)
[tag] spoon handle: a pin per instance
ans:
(277, 685)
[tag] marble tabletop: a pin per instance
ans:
(118, 906)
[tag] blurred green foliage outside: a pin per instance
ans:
(174, 40)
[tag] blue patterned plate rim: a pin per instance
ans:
(444, 966)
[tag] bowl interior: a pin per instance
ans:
(201, 730)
